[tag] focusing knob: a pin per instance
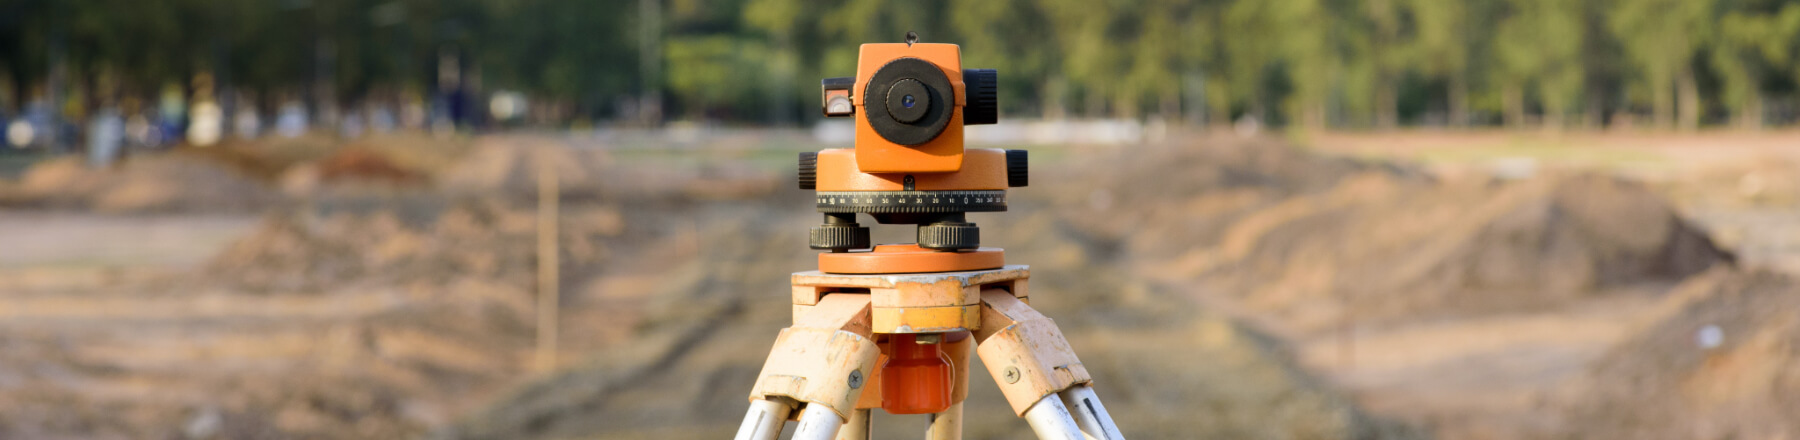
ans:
(839, 237)
(809, 170)
(1018, 168)
(949, 236)
(983, 89)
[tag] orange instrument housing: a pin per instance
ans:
(910, 102)
(876, 154)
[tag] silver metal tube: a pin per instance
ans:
(1089, 414)
(946, 425)
(818, 422)
(1051, 420)
(857, 428)
(764, 421)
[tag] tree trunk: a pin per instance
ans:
(1554, 119)
(1170, 106)
(1689, 100)
(1125, 107)
(1055, 106)
(1313, 116)
(1750, 115)
(1219, 116)
(1512, 99)
(1594, 111)
(1662, 104)
(1194, 109)
(781, 94)
(1459, 100)
(1387, 111)
(650, 61)
(1093, 103)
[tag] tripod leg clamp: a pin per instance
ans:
(826, 358)
(1026, 353)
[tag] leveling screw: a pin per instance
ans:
(1011, 374)
(856, 379)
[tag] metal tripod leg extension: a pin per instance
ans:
(857, 428)
(1038, 373)
(821, 365)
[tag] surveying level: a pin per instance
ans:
(892, 326)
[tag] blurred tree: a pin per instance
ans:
(1539, 43)
(1255, 32)
(1662, 37)
(1313, 43)
(1312, 63)
(1439, 47)
(1094, 61)
(1010, 35)
(1751, 44)
(1387, 57)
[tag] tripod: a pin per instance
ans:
(892, 326)
(845, 325)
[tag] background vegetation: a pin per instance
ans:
(1311, 63)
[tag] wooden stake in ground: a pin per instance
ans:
(548, 301)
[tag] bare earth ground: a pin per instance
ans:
(106, 334)
(1513, 375)
(1740, 186)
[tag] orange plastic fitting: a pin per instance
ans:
(910, 258)
(916, 377)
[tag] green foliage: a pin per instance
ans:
(1316, 63)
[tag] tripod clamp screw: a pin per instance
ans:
(856, 379)
(1011, 375)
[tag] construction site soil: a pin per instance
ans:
(1719, 360)
(1215, 287)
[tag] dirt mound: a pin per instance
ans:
(291, 252)
(1390, 250)
(364, 165)
(172, 182)
(511, 167)
(1305, 239)
(1724, 362)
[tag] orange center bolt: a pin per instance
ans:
(916, 378)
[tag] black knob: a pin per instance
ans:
(1018, 168)
(838, 237)
(839, 233)
(949, 236)
(983, 89)
(809, 170)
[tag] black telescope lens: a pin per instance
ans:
(908, 101)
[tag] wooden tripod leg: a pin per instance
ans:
(821, 364)
(1033, 364)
